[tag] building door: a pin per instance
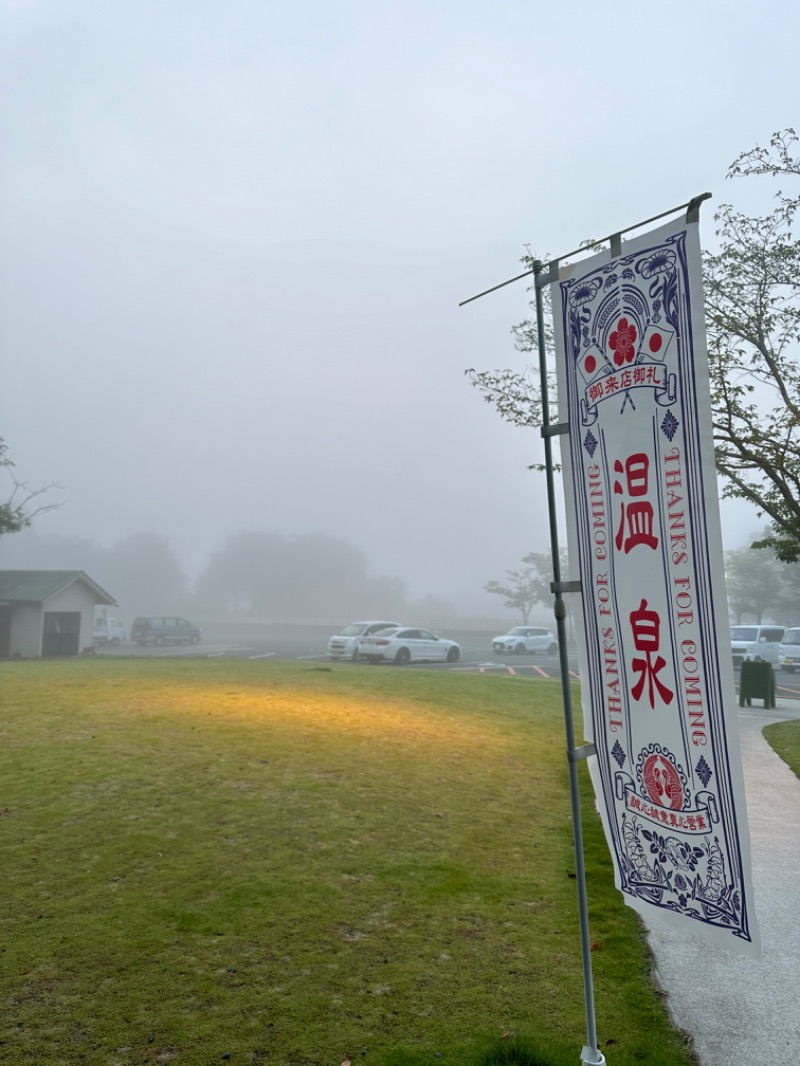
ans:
(62, 634)
(5, 632)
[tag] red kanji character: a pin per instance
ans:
(645, 625)
(639, 514)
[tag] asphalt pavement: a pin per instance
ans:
(737, 1009)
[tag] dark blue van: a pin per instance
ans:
(164, 631)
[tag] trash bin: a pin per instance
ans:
(757, 681)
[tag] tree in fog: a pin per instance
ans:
(32, 550)
(23, 503)
(304, 576)
(143, 574)
(753, 321)
(752, 286)
(789, 607)
(756, 584)
(523, 588)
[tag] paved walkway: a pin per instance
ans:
(742, 1010)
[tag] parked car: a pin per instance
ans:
(526, 639)
(162, 630)
(402, 645)
(756, 643)
(789, 651)
(344, 645)
(108, 631)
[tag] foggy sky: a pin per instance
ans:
(234, 238)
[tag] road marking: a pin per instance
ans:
(266, 655)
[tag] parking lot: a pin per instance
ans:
(308, 643)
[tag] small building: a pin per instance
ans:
(46, 614)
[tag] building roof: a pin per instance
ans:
(36, 586)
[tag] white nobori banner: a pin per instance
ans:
(644, 538)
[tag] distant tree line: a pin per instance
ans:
(761, 587)
(265, 575)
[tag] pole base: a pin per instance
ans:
(592, 1058)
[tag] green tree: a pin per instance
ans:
(526, 587)
(24, 503)
(752, 288)
(753, 323)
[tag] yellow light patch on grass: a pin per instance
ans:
(286, 864)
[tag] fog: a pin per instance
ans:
(234, 238)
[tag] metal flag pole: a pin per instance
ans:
(590, 1055)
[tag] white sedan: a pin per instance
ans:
(402, 645)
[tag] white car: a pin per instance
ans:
(525, 640)
(108, 631)
(789, 652)
(403, 645)
(344, 645)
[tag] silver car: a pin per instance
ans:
(344, 645)
(525, 640)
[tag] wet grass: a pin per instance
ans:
(784, 737)
(252, 862)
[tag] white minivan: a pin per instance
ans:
(750, 643)
(789, 654)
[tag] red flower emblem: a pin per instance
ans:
(622, 341)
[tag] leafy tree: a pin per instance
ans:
(753, 325)
(527, 586)
(24, 503)
(752, 288)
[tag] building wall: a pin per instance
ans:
(26, 631)
(27, 620)
(75, 598)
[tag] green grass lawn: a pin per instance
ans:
(252, 862)
(785, 739)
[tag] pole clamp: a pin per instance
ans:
(583, 752)
(555, 430)
(557, 587)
